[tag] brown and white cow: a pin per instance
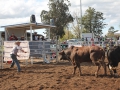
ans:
(77, 55)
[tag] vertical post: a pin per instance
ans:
(68, 31)
(49, 33)
(0, 34)
(5, 34)
(31, 33)
(31, 58)
(56, 48)
(26, 36)
(81, 19)
(2, 53)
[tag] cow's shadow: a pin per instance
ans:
(99, 75)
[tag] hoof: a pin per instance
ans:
(80, 74)
(116, 75)
(73, 73)
(96, 74)
(111, 73)
(105, 74)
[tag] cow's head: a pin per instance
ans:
(63, 55)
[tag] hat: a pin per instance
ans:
(16, 42)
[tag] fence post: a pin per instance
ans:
(1, 53)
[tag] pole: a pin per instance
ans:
(6, 34)
(49, 33)
(68, 30)
(31, 33)
(81, 19)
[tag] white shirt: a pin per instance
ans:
(15, 49)
(36, 38)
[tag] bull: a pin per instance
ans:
(77, 55)
(113, 56)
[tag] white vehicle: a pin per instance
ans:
(72, 40)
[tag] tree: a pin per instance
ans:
(68, 35)
(93, 21)
(76, 25)
(111, 32)
(59, 12)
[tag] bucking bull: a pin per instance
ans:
(77, 55)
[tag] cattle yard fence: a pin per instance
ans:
(1, 54)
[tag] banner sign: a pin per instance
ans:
(8, 45)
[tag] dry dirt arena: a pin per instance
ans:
(56, 76)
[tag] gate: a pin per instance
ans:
(43, 49)
(1, 54)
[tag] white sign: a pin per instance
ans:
(8, 45)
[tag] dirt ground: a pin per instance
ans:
(56, 76)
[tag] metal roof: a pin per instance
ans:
(26, 26)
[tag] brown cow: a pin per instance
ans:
(77, 55)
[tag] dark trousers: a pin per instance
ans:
(15, 61)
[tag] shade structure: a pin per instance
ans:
(20, 29)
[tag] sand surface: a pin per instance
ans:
(56, 76)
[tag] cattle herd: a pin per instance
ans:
(94, 54)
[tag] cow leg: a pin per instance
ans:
(75, 66)
(115, 73)
(98, 64)
(104, 66)
(110, 69)
(78, 65)
(98, 68)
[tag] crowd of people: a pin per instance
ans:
(14, 38)
(35, 37)
(38, 37)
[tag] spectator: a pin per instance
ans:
(111, 43)
(39, 38)
(13, 37)
(22, 38)
(43, 38)
(35, 37)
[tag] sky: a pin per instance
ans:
(19, 11)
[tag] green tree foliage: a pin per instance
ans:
(93, 21)
(111, 32)
(68, 35)
(59, 12)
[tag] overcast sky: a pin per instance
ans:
(19, 11)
